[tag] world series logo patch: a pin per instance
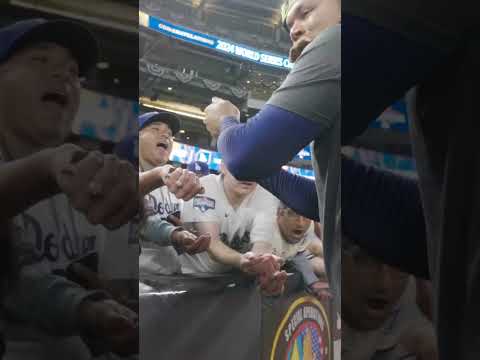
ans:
(304, 333)
(203, 203)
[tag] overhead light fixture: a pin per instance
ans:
(169, 88)
(182, 131)
(176, 108)
(103, 65)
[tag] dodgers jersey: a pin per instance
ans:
(235, 224)
(160, 203)
(48, 237)
(163, 203)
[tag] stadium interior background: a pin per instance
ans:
(190, 51)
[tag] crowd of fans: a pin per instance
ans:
(63, 204)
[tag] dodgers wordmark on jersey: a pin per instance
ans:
(48, 237)
(235, 224)
(163, 203)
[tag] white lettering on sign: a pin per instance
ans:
(247, 53)
(296, 319)
(225, 46)
(186, 34)
(310, 312)
(271, 60)
(287, 64)
(221, 45)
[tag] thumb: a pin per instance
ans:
(115, 321)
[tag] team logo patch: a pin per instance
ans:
(203, 203)
(304, 333)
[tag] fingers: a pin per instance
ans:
(321, 291)
(105, 177)
(171, 180)
(121, 329)
(86, 277)
(74, 184)
(250, 262)
(188, 185)
(104, 189)
(172, 219)
(124, 311)
(64, 159)
(88, 167)
(199, 245)
(117, 202)
(273, 286)
(184, 184)
(265, 264)
(191, 243)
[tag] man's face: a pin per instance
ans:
(370, 290)
(308, 18)
(155, 145)
(239, 188)
(39, 93)
(292, 226)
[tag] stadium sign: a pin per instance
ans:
(220, 45)
(304, 333)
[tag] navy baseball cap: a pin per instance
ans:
(159, 116)
(70, 35)
(199, 168)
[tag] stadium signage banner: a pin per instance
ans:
(304, 332)
(220, 45)
(226, 317)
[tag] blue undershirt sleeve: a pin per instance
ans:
(269, 140)
(382, 212)
(297, 192)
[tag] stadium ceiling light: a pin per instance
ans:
(102, 65)
(176, 108)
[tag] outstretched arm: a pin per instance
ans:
(269, 140)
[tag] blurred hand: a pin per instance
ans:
(100, 186)
(321, 291)
(255, 264)
(216, 111)
(87, 278)
(174, 220)
(189, 242)
(273, 285)
(184, 184)
(112, 324)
